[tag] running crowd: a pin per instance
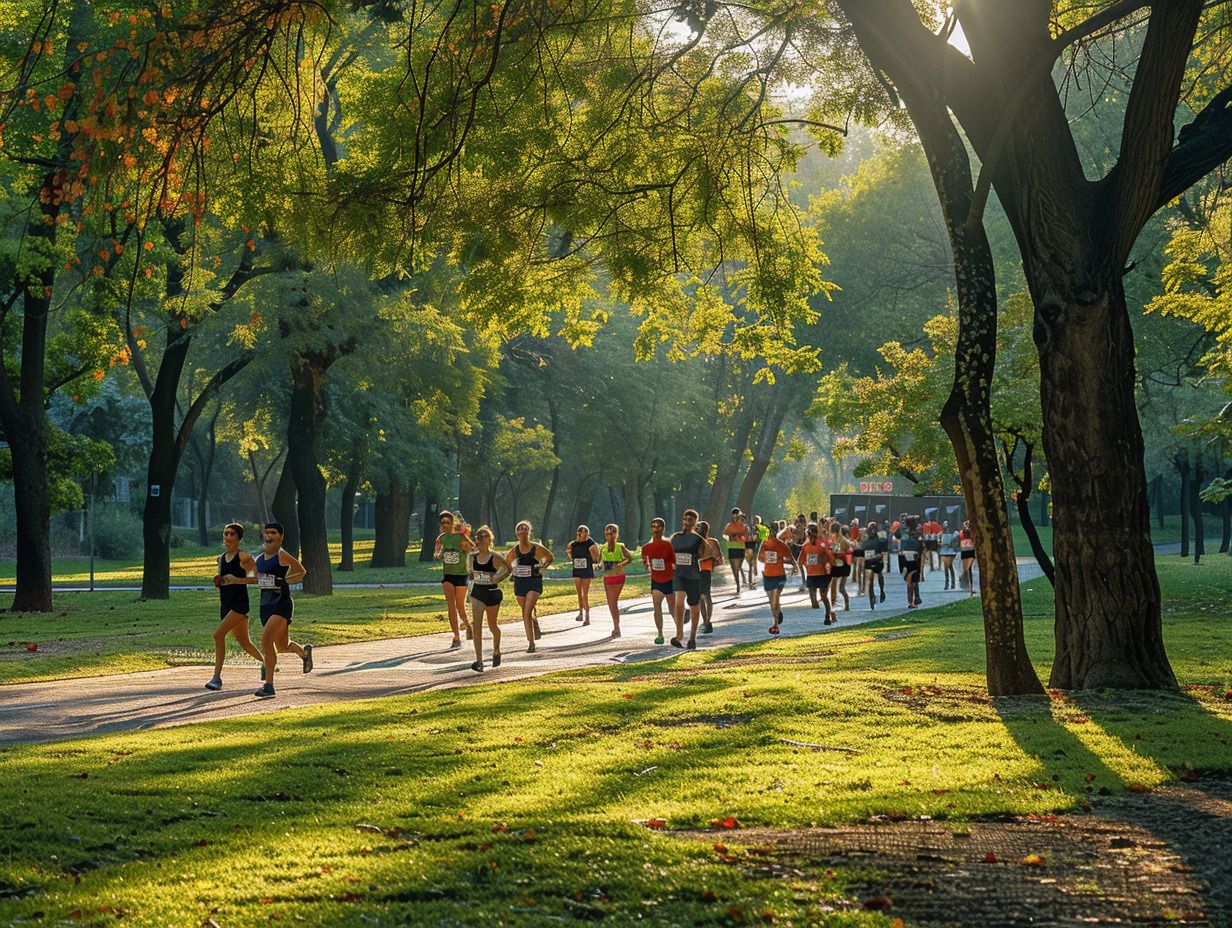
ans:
(822, 554)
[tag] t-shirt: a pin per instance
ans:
(932, 530)
(816, 559)
(775, 555)
(660, 557)
(736, 533)
(688, 547)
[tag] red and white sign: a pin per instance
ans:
(877, 486)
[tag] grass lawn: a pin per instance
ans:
(515, 803)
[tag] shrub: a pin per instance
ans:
(117, 532)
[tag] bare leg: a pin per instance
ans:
(613, 602)
(582, 606)
(584, 593)
(737, 569)
(451, 604)
(656, 597)
(695, 613)
(477, 609)
(494, 628)
(236, 623)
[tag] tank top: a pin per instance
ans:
(527, 565)
(583, 561)
(237, 594)
(707, 558)
(611, 558)
(688, 546)
(453, 558)
(272, 567)
(485, 573)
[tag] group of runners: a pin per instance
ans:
(823, 553)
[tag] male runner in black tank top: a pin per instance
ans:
(276, 605)
(236, 570)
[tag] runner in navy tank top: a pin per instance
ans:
(584, 554)
(236, 570)
(276, 571)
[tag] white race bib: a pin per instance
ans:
(684, 559)
(265, 581)
(656, 563)
(581, 563)
(772, 557)
(522, 570)
(451, 556)
(484, 577)
(812, 559)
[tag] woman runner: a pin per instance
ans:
(489, 569)
(708, 560)
(236, 569)
(737, 533)
(615, 557)
(584, 554)
(528, 560)
(452, 547)
(841, 569)
(966, 544)
(949, 551)
(876, 550)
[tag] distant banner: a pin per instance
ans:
(877, 487)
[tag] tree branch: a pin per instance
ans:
(1202, 146)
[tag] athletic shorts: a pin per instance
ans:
(913, 567)
(284, 608)
(663, 586)
(488, 594)
(524, 585)
(227, 608)
(454, 579)
(818, 582)
(875, 564)
(613, 579)
(735, 554)
(932, 546)
(795, 550)
(707, 578)
(691, 587)
(968, 553)
(750, 545)
(840, 570)
(773, 583)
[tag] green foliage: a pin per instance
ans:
(70, 458)
(117, 532)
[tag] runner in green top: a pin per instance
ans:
(451, 550)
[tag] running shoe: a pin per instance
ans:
(477, 666)
(615, 633)
(307, 658)
(215, 684)
(691, 644)
(578, 617)
(708, 628)
(676, 643)
(455, 644)
(496, 658)
(828, 621)
(586, 622)
(883, 596)
(531, 649)
(659, 640)
(774, 629)
(910, 605)
(265, 692)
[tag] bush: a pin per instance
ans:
(117, 532)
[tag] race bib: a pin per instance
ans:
(772, 557)
(522, 570)
(451, 556)
(581, 563)
(684, 559)
(812, 560)
(657, 563)
(484, 577)
(265, 581)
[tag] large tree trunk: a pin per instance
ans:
(431, 526)
(729, 468)
(303, 428)
(284, 509)
(1182, 467)
(550, 519)
(763, 452)
(346, 524)
(631, 531)
(1108, 627)
(1195, 508)
(393, 519)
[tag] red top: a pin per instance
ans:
(660, 559)
(817, 559)
(932, 528)
(775, 555)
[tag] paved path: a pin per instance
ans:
(34, 712)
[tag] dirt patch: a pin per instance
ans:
(1155, 859)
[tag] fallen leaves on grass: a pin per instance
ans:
(991, 858)
(730, 822)
(1033, 860)
(878, 903)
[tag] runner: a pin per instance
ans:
(912, 549)
(585, 555)
(857, 555)
(751, 541)
(841, 569)
(798, 533)
(527, 560)
(875, 548)
(966, 544)
(949, 551)
(659, 558)
(236, 570)
(615, 557)
(452, 547)
(817, 563)
(776, 557)
(488, 569)
(708, 562)
(736, 533)
(276, 571)
(932, 544)
(688, 546)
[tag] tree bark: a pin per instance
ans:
(718, 505)
(1182, 465)
(763, 452)
(553, 488)
(393, 521)
(634, 511)
(307, 412)
(284, 509)
(1195, 508)
(346, 524)
(205, 466)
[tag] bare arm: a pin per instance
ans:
(295, 570)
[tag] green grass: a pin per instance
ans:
(1171, 532)
(248, 819)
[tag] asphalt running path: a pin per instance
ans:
(77, 708)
